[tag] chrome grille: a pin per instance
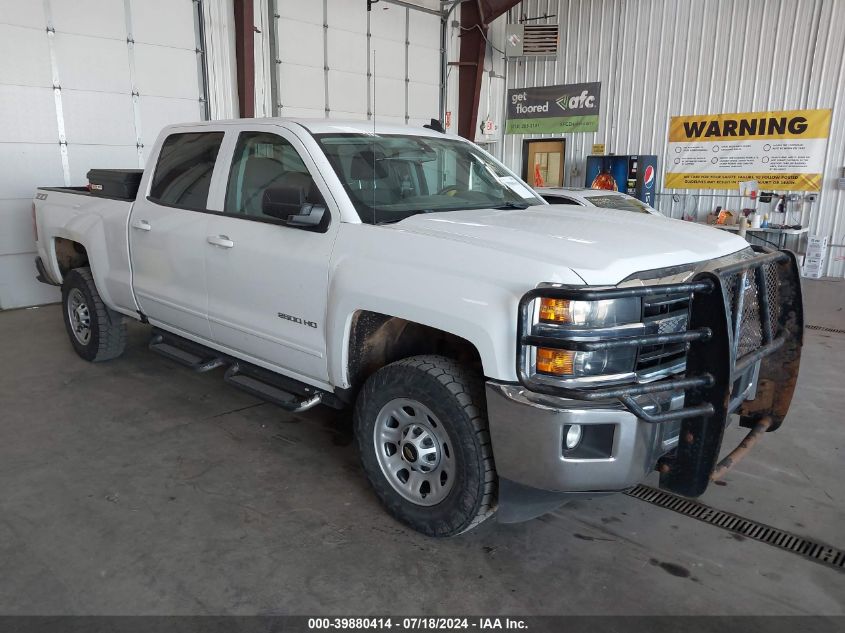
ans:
(663, 314)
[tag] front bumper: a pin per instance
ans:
(528, 429)
(743, 347)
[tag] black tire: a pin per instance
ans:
(107, 336)
(455, 395)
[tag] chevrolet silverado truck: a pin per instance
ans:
(500, 354)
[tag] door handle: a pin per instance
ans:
(141, 225)
(222, 241)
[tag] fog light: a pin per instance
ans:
(573, 436)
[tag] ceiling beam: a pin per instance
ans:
(476, 16)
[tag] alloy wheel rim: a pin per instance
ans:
(79, 316)
(414, 451)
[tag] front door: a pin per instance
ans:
(543, 163)
(167, 235)
(268, 281)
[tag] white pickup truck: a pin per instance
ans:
(500, 353)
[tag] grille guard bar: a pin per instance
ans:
(740, 313)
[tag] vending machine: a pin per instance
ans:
(634, 175)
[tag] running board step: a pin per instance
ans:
(194, 357)
(248, 381)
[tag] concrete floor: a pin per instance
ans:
(139, 487)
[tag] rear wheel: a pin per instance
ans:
(96, 332)
(421, 429)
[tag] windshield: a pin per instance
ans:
(390, 177)
(618, 202)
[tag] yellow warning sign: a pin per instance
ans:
(782, 150)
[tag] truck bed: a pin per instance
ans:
(68, 215)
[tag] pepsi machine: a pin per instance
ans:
(634, 175)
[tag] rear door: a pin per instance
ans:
(267, 281)
(167, 234)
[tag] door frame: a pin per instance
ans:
(526, 144)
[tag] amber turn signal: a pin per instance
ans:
(555, 310)
(560, 362)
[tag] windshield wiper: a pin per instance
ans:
(512, 205)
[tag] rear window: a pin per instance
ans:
(183, 172)
(618, 202)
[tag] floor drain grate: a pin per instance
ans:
(822, 328)
(812, 550)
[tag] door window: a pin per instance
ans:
(183, 172)
(263, 161)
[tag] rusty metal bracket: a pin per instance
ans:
(739, 453)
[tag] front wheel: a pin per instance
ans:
(421, 430)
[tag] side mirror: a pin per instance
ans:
(287, 203)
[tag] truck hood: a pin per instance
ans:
(602, 246)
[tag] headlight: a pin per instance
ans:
(603, 313)
(569, 364)
(585, 320)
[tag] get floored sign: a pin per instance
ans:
(554, 109)
(780, 150)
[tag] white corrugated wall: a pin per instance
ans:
(82, 85)
(326, 51)
(660, 58)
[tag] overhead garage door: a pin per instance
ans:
(83, 84)
(323, 71)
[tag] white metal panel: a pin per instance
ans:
(301, 11)
(347, 94)
(16, 219)
(303, 113)
(387, 21)
(347, 51)
(423, 101)
(347, 16)
(388, 58)
(176, 31)
(389, 98)
(27, 114)
(22, 13)
(18, 286)
(31, 65)
(166, 72)
(301, 43)
(424, 64)
(301, 87)
(92, 63)
(98, 118)
(100, 18)
(329, 39)
(26, 166)
(424, 30)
